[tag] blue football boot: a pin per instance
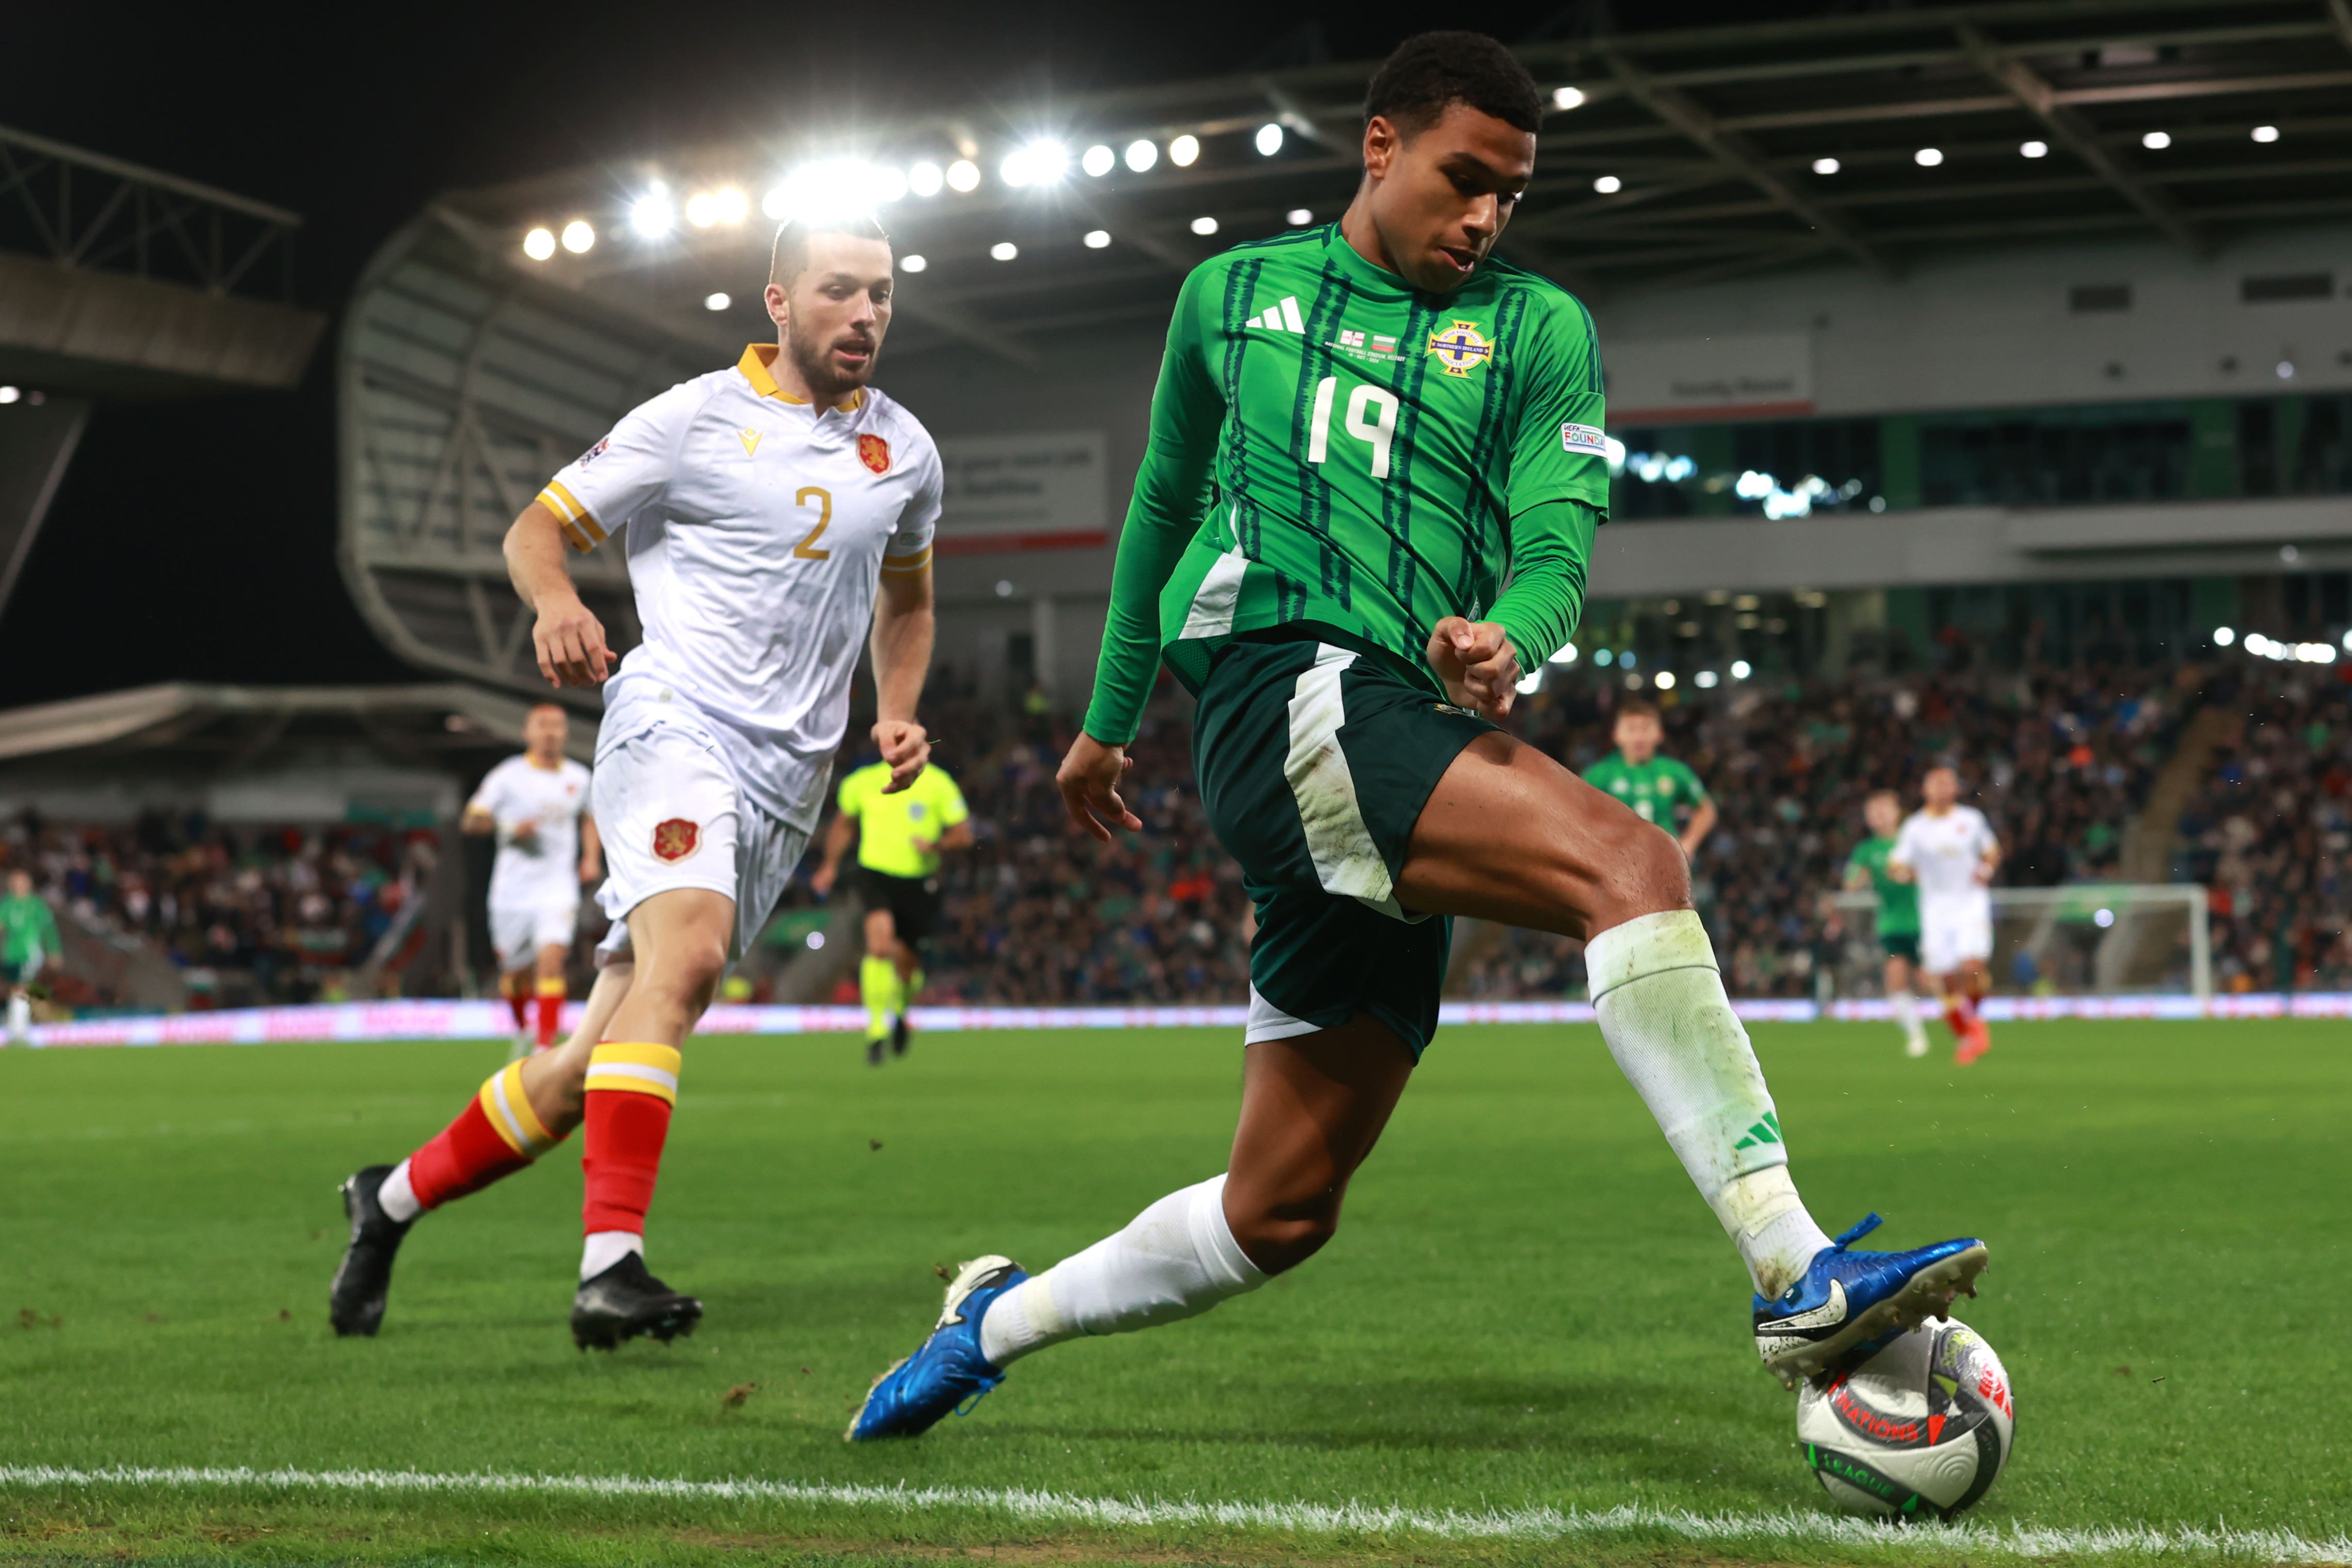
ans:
(947, 1370)
(1851, 1304)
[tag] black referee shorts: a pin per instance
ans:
(913, 900)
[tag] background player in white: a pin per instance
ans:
(537, 805)
(1950, 851)
(764, 505)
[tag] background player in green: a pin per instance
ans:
(1656, 788)
(1898, 912)
(1394, 422)
(899, 838)
(28, 944)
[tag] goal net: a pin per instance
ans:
(2084, 939)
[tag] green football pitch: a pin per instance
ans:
(1526, 1345)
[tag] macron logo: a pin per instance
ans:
(1282, 317)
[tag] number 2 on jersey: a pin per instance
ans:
(806, 550)
(1371, 418)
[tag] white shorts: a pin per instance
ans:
(520, 929)
(669, 815)
(1950, 933)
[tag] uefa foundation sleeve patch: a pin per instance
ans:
(1583, 438)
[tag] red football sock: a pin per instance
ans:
(551, 1010)
(495, 1136)
(631, 1088)
(1958, 1014)
(520, 1004)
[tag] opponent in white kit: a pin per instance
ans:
(537, 805)
(764, 507)
(1950, 851)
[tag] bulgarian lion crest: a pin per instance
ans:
(875, 453)
(676, 839)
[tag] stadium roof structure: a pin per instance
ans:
(506, 329)
(1686, 155)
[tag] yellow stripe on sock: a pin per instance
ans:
(508, 1109)
(553, 988)
(636, 1068)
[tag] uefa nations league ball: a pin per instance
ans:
(1920, 1429)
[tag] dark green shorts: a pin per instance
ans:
(1904, 945)
(1315, 761)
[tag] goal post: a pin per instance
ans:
(2081, 939)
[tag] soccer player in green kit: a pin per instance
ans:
(1898, 912)
(28, 944)
(1403, 436)
(1654, 786)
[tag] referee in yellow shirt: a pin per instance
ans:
(899, 838)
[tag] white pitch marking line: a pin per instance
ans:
(1354, 1519)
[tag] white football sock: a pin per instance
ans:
(1906, 1012)
(20, 1017)
(1668, 1023)
(1176, 1259)
(604, 1249)
(396, 1197)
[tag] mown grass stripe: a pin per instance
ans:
(1296, 1518)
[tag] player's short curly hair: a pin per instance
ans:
(788, 257)
(1638, 708)
(1430, 71)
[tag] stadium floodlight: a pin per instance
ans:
(1298, 218)
(1740, 670)
(538, 245)
(963, 175)
(1530, 683)
(1183, 150)
(2103, 918)
(1826, 166)
(1705, 680)
(815, 940)
(651, 215)
(2033, 149)
(1752, 485)
(1614, 450)
(1004, 250)
(1268, 141)
(1928, 157)
(2156, 141)
(10, 394)
(914, 263)
(1609, 184)
(1097, 238)
(2266, 134)
(1567, 654)
(1099, 160)
(926, 178)
(1204, 225)
(2223, 636)
(2348, 641)
(578, 237)
(1602, 656)
(833, 188)
(716, 302)
(702, 209)
(1040, 163)
(1142, 154)
(1628, 659)
(1666, 680)
(2285, 369)
(1567, 97)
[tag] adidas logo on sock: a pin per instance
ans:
(1767, 1130)
(1282, 317)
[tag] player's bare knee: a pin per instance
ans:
(1642, 872)
(1277, 1233)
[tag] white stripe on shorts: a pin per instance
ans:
(1347, 861)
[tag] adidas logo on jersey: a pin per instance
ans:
(1282, 317)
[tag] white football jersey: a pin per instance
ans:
(538, 813)
(1944, 852)
(757, 529)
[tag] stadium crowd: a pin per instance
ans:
(1034, 914)
(267, 915)
(2270, 833)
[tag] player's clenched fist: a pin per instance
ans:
(906, 746)
(569, 643)
(1476, 664)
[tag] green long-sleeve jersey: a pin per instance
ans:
(1334, 451)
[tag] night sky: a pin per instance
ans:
(194, 539)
